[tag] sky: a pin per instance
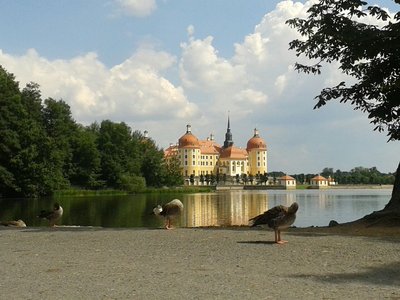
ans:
(158, 65)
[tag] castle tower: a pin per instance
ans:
(257, 150)
(228, 136)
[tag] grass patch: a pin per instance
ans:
(181, 189)
(86, 193)
(302, 186)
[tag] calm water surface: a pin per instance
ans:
(226, 208)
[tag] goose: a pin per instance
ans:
(169, 211)
(13, 223)
(277, 218)
(53, 216)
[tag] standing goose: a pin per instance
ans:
(169, 211)
(53, 216)
(277, 218)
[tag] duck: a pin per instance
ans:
(169, 211)
(278, 218)
(13, 223)
(53, 215)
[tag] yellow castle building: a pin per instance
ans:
(202, 157)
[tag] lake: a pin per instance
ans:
(222, 208)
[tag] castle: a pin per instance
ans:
(205, 157)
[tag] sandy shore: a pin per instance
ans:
(94, 263)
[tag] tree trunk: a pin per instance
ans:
(390, 215)
(394, 203)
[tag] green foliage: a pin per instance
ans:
(118, 152)
(85, 163)
(43, 149)
(86, 193)
(358, 175)
(131, 183)
(370, 54)
(173, 172)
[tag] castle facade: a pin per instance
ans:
(206, 157)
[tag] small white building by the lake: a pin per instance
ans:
(288, 182)
(319, 182)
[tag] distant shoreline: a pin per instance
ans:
(302, 187)
(362, 186)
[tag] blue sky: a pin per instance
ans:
(159, 65)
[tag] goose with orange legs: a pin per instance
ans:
(278, 218)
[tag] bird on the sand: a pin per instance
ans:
(53, 215)
(277, 218)
(169, 211)
(13, 223)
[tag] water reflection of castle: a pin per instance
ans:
(230, 209)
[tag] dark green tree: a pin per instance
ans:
(173, 173)
(60, 128)
(213, 179)
(207, 179)
(218, 178)
(251, 178)
(85, 163)
(120, 155)
(237, 178)
(24, 143)
(153, 168)
(191, 179)
(245, 178)
(11, 110)
(202, 179)
(370, 54)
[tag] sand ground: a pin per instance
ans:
(96, 263)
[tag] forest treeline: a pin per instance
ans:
(43, 149)
(358, 175)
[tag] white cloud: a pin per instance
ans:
(202, 68)
(137, 8)
(133, 90)
(250, 96)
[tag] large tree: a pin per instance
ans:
(337, 32)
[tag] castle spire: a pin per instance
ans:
(228, 135)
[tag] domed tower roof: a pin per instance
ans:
(256, 142)
(188, 139)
